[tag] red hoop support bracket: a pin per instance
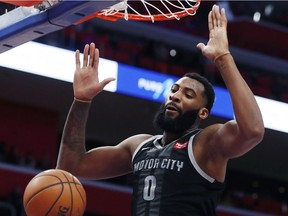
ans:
(22, 3)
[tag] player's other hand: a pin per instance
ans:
(218, 41)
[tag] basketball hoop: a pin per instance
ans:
(144, 10)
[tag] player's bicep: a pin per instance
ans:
(105, 162)
(110, 161)
(231, 142)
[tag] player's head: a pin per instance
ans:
(208, 93)
(189, 101)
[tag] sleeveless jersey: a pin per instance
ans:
(169, 182)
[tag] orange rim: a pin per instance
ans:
(157, 17)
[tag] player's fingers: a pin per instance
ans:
(91, 54)
(200, 46)
(210, 23)
(223, 17)
(106, 81)
(214, 18)
(217, 16)
(96, 59)
(77, 59)
(85, 56)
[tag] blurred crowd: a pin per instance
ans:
(157, 56)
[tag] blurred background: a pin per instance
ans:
(33, 108)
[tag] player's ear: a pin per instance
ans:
(203, 113)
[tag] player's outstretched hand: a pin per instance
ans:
(217, 45)
(86, 83)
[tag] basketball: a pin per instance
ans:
(54, 192)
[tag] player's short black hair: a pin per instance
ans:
(208, 88)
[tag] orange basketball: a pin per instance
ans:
(54, 192)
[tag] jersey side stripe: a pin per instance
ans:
(194, 163)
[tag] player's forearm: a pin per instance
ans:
(72, 146)
(246, 109)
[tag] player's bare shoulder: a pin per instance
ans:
(208, 135)
(138, 139)
(134, 141)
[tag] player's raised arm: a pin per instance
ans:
(239, 136)
(101, 162)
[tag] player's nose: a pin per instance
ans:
(175, 96)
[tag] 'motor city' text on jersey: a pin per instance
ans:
(169, 182)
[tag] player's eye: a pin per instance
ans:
(174, 88)
(189, 94)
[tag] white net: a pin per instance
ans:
(166, 9)
(46, 4)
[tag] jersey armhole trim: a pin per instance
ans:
(143, 143)
(194, 163)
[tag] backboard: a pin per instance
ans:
(26, 23)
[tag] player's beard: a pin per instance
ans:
(180, 124)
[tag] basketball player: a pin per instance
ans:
(182, 171)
